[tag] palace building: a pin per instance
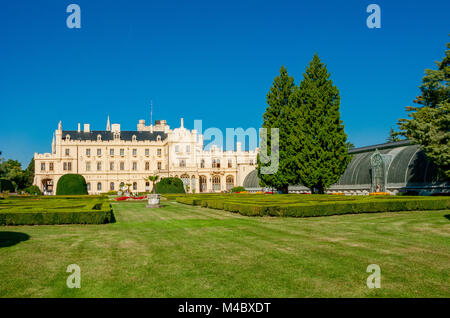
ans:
(110, 159)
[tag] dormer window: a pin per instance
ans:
(133, 138)
(117, 135)
(99, 138)
(67, 137)
(158, 138)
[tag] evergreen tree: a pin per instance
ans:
(429, 123)
(319, 140)
(393, 136)
(277, 116)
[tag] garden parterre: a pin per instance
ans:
(296, 205)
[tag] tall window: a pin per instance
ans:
(99, 152)
(158, 152)
(202, 182)
(251, 162)
(159, 165)
(88, 166)
(122, 165)
(202, 163)
(177, 148)
(216, 163)
(111, 166)
(43, 166)
(50, 166)
(69, 166)
(134, 165)
(122, 152)
(99, 166)
(88, 186)
(182, 163)
(67, 151)
(65, 166)
(230, 182)
(88, 152)
(147, 152)
(111, 152)
(230, 163)
(193, 183)
(188, 148)
(134, 186)
(147, 165)
(216, 183)
(99, 186)
(134, 152)
(111, 186)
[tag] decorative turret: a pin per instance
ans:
(108, 125)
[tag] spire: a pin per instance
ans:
(151, 112)
(60, 125)
(108, 125)
(53, 144)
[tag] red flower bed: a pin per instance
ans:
(134, 198)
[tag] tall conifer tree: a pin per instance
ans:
(320, 140)
(277, 116)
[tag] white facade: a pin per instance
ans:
(111, 159)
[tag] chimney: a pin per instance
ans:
(87, 128)
(79, 127)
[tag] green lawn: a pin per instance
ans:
(189, 251)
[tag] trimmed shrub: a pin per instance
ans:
(313, 205)
(170, 185)
(238, 189)
(71, 184)
(47, 210)
(6, 185)
(33, 190)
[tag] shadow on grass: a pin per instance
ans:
(12, 238)
(447, 216)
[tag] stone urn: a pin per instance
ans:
(153, 201)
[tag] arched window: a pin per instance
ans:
(193, 183)
(99, 186)
(186, 181)
(158, 138)
(111, 186)
(133, 138)
(134, 186)
(216, 183)
(147, 186)
(122, 185)
(99, 137)
(67, 137)
(230, 182)
(202, 182)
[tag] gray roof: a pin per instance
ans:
(108, 135)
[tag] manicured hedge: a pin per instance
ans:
(170, 185)
(71, 184)
(313, 205)
(55, 210)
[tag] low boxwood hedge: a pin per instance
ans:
(48, 210)
(302, 206)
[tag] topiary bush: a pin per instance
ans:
(33, 190)
(170, 185)
(6, 185)
(71, 184)
(238, 189)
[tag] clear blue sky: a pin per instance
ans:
(209, 60)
